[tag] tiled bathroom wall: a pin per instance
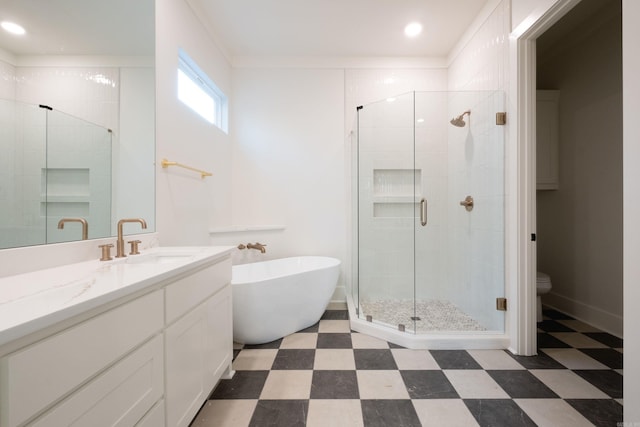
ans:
(76, 177)
(387, 191)
(89, 93)
(476, 161)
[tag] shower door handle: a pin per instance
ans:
(423, 212)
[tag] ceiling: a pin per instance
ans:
(80, 27)
(245, 28)
(345, 28)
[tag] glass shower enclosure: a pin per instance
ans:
(53, 166)
(428, 213)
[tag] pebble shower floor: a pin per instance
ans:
(429, 315)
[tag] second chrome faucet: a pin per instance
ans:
(120, 243)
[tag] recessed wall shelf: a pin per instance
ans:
(397, 182)
(396, 192)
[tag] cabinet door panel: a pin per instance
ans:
(154, 418)
(220, 335)
(186, 351)
(121, 396)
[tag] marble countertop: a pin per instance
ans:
(32, 301)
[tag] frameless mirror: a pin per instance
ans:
(77, 119)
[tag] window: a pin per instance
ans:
(198, 92)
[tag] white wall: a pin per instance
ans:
(186, 205)
(288, 163)
(133, 167)
(580, 225)
(631, 197)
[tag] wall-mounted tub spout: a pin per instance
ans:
(258, 246)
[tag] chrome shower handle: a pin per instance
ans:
(423, 212)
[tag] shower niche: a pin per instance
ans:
(425, 267)
(57, 166)
(394, 192)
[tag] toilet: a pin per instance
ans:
(543, 285)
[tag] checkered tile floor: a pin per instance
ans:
(327, 375)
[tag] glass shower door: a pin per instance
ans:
(460, 253)
(388, 205)
(430, 212)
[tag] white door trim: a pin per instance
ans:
(523, 172)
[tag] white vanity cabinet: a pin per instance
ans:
(149, 359)
(52, 372)
(199, 342)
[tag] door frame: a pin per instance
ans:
(522, 173)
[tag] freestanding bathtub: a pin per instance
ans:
(272, 299)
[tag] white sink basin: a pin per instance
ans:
(160, 257)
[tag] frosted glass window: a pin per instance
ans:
(200, 93)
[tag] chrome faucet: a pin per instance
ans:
(258, 246)
(85, 225)
(120, 243)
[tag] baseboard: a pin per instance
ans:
(608, 322)
(338, 300)
(337, 305)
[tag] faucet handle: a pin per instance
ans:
(134, 247)
(106, 252)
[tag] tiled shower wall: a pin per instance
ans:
(88, 93)
(386, 150)
(476, 168)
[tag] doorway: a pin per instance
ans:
(579, 178)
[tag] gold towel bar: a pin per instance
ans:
(166, 163)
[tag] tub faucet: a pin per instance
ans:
(85, 225)
(258, 246)
(120, 243)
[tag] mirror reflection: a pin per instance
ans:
(77, 119)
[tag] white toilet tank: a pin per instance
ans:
(543, 283)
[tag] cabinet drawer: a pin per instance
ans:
(121, 396)
(190, 291)
(33, 378)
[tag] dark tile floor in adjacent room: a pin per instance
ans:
(328, 375)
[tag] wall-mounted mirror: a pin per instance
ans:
(77, 118)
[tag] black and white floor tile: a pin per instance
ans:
(327, 375)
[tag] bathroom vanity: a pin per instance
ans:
(135, 341)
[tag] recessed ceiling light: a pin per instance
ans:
(413, 29)
(12, 28)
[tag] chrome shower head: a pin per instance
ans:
(459, 121)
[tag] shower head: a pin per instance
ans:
(458, 121)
